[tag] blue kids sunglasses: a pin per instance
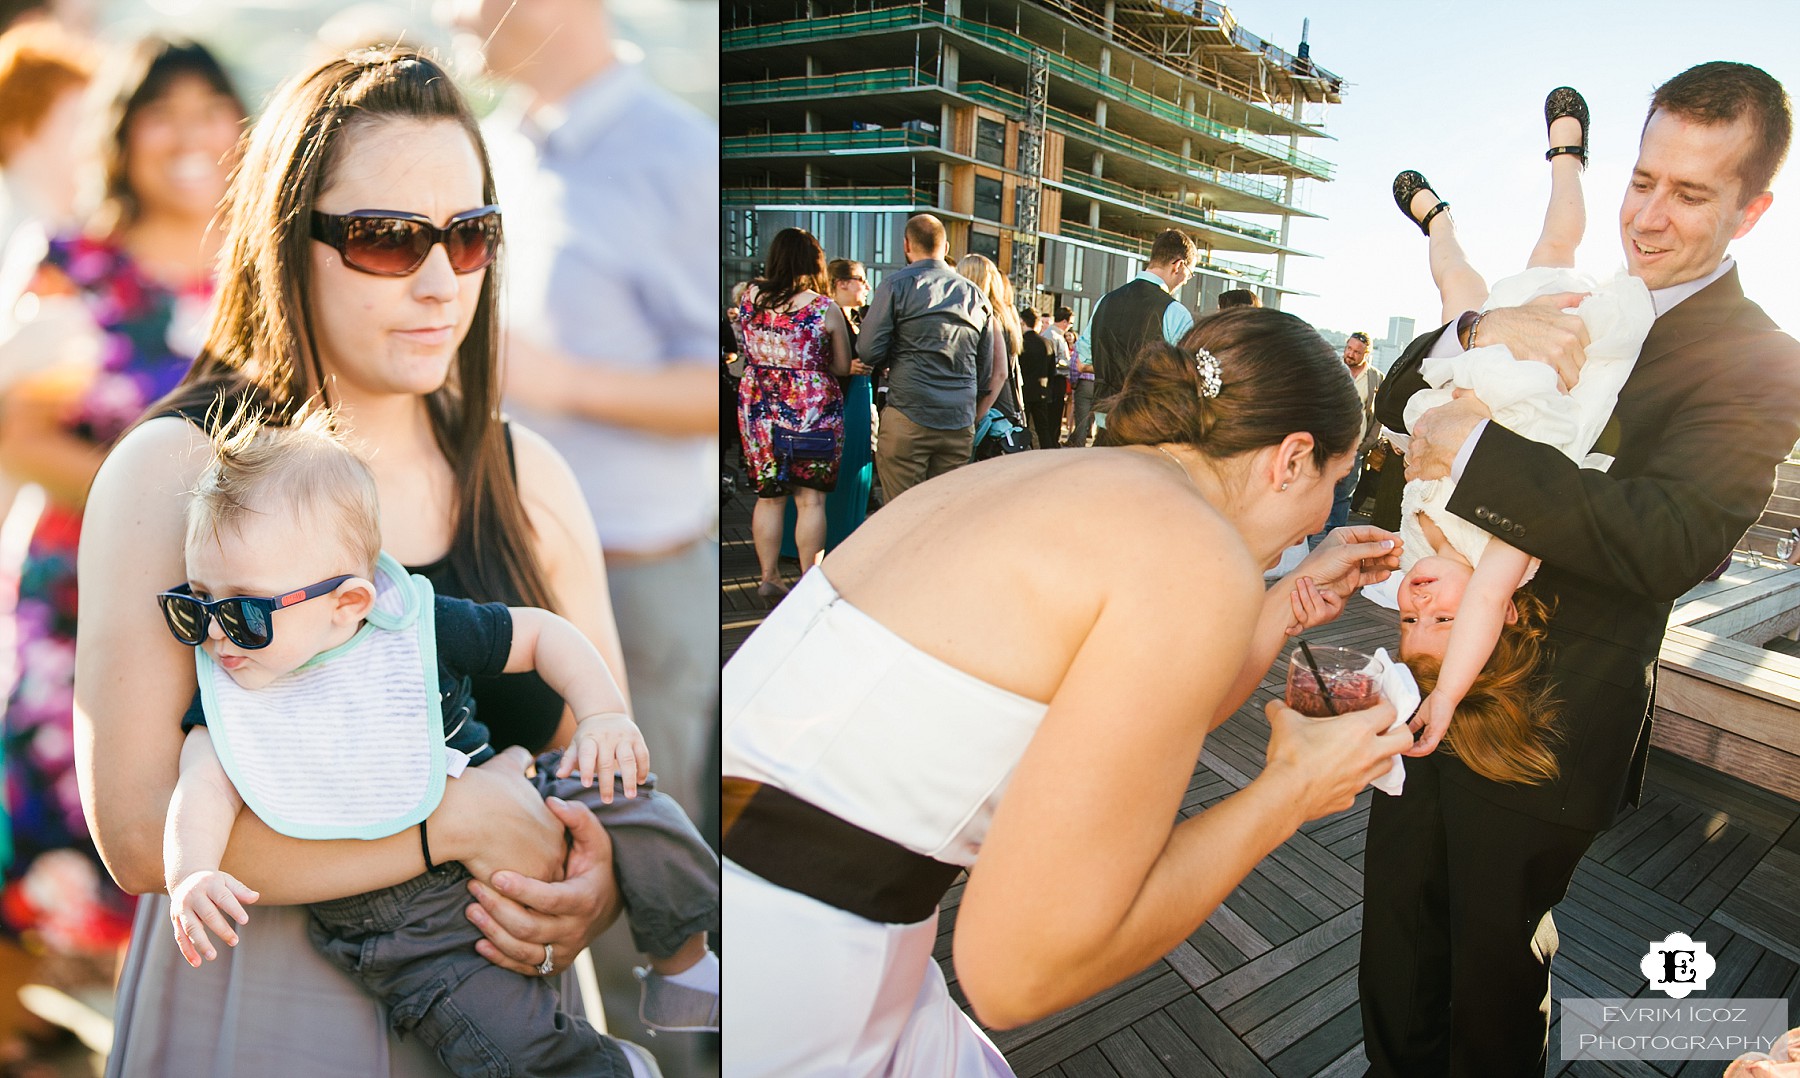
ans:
(247, 621)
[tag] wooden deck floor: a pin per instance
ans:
(1267, 987)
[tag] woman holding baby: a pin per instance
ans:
(396, 327)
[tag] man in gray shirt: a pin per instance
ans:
(934, 332)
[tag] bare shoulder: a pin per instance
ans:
(158, 459)
(552, 497)
(1168, 578)
(1133, 524)
(136, 510)
(1143, 497)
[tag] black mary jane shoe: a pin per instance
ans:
(1408, 184)
(1567, 101)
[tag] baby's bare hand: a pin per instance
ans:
(606, 745)
(201, 901)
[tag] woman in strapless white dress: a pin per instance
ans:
(945, 693)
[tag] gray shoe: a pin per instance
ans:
(667, 1007)
(643, 1064)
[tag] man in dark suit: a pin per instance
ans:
(1460, 872)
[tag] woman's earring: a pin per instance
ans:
(1284, 486)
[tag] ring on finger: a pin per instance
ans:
(545, 967)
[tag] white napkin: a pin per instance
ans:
(1384, 592)
(1397, 686)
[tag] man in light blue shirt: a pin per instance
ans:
(610, 189)
(1136, 312)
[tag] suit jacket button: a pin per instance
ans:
(1481, 513)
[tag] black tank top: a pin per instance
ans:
(518, 709)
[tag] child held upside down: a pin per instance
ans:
(1457, 598)
(337, 709)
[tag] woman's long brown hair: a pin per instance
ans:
(260, 346)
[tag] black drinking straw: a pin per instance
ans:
(1325, 692)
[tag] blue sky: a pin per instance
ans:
(1456, 91)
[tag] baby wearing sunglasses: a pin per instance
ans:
(339, 709)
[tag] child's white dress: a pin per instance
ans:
(1523, 397)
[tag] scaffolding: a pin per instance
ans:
(1031, 173)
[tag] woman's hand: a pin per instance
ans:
(1345, 560)
(520, 915)
(508, 826)
(1329, 761)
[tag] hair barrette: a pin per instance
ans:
(1207, 366)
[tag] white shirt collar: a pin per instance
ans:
(1664, 299)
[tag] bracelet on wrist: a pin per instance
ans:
(425, 847)
(1475, 326)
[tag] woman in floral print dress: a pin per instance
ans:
(797, 345)
(144, 276)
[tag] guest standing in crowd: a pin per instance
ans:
(1081, 381)
(1056, 387)
(1141, 310)
(603, 175)
(1238, 297)
(1034, 374)
(142, 271)
(936, 335)
(848, 505)
(999, 389)
(610, 351)
(790, 407)
(44, 73)
(1368, 383)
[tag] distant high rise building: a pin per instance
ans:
(1057, 137)
(1400, 331)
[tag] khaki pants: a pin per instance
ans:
(907, 454)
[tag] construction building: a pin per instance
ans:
(1058, 137)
